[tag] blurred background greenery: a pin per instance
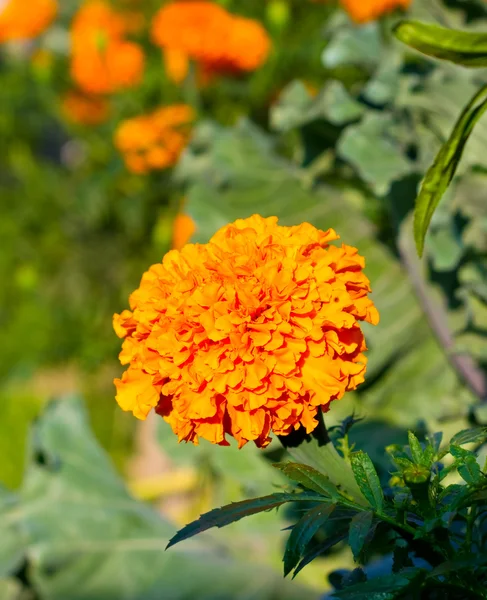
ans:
(337, 128)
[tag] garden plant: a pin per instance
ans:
(301, 407)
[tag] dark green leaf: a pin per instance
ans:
(310, 478)
(220, 517)
(415, 447)
(460, 453)
(320, 549)
(441, 173)
(302, 534)
(478, 435)
(379, 588)
(360, 528)
(401, 558)
(469, 561)
(367, 479)
(470, 471)
(461, 47)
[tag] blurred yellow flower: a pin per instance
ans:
(85, 110)
(183, 229)
(254, 332)
(103, 61)
(25, 19)
(363, 11)
(205, 32)
(154, 141)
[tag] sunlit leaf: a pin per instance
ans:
(367, 479)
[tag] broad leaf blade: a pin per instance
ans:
(302, 534)
(360, 529)
(310, 478)
(441, 173)
(465, 48)
(415, 447)
(220, 517)
(367, 479)
(477, 435)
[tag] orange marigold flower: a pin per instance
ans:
(155, 141)
(85, 110)
(363, 11)
(103, 61)
(25, 19)
(205, 32)
(251, 333)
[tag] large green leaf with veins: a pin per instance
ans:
(234, 173)
(89, 539)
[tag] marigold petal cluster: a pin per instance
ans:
(254, 332)
(155, 141)
(25, 19)
(85, 110)
(103, 60)
(362, 11)
(206, 33)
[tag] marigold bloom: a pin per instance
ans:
(251, 333)
(205, 32)
(103, 61)
(25, 19)
(85, 110)
(155, 141)
(363, 11)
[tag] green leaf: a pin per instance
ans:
(465, 48)
(379, 588)
(302, 534)
(470, 471)
(310, 478)
(415, 447)
(441, 173)
(320, 549)
(220, 517)
(88, 539)
(367, 479)
(12, 542)
(477, 435)
(371, 149)
(360, 528)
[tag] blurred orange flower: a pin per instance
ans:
(183, 229)
(85, 110)
(155, 141)
(254, 332)
(103, 61)
(205, 32)
(25, 19)
(363, 11)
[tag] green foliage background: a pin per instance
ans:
(338, 129)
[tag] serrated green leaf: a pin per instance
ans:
(477, 435)
(220, 517)
(360, 528)
(367, 479)
(470, 471)
(12, 543)
(302, 534)
(441, 173)
(469, 561)
(465, 48)
(415, 447)
(310, 478)
(320, 549)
